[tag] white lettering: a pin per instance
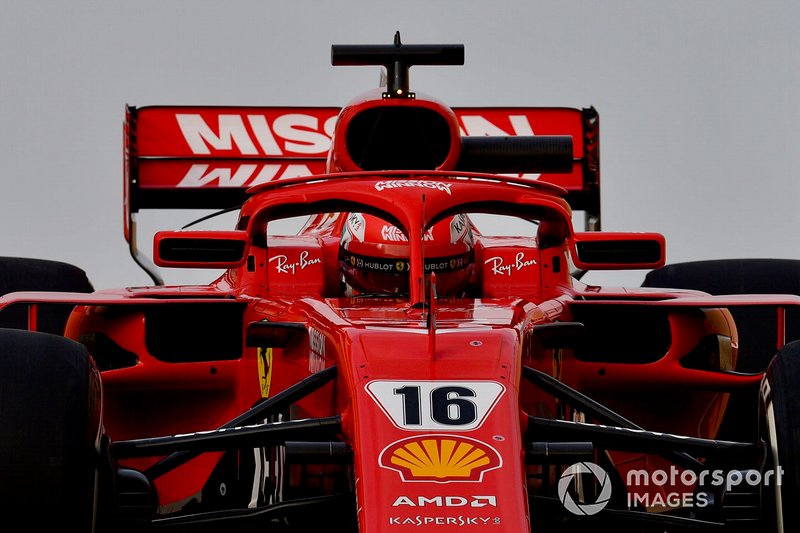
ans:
(392, 233)
(199, 176)
(436, 500)
(295, 171)
(299, 132)
(231, 131)
(316, 341)
(316, 362)
(403, 500)
(303, 130)
(283, 266)
(688, 478)
(395, 184)
(446, 501)
(316, 355)
(476, 125)
(459, 520)
(455, 501)
(521, 125)
(670, 499)
(330, 127)
(263, 134)
(483, 501)
(500, 268)
(267, 173)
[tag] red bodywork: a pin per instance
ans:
(431, 391)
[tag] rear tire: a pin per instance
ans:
(25, 274)
(757, 326)
(50, 407)
(779, 426)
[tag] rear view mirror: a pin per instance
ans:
(618, 251)
(200, 249)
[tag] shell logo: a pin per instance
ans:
(440, 458)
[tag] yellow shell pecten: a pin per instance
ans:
(440, 458)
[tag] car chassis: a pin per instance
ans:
(271, 399)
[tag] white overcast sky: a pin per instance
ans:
(699, 103)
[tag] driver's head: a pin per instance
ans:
(374, 255)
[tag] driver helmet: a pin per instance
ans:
(374, 255)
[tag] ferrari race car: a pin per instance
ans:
(420, 355)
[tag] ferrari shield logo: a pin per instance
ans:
(264, 370)
(440, 458)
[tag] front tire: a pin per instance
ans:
(50, 430)
(780, 430)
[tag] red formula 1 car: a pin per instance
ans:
(407, 361)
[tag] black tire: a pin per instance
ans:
(50, 424)
(741, 276)
(26, 274)
(757, 326)
(779, 425)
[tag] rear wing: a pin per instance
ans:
(184, 157)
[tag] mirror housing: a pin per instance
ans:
(200, 249)
(618, 250)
